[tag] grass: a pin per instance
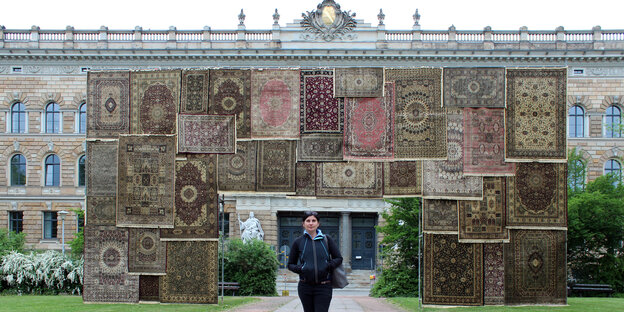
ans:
(74, 303)
(574, 305)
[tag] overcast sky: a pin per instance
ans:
(192, 14)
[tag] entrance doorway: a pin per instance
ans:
(290, 228)
(363, 242)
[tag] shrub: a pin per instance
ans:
(11, 241)
(253, 265)
(77, 245)
(48, 272)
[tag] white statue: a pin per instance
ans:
(251, 228)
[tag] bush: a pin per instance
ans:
(253, 265)
(77, 245)
(400, 250)
(11, 241)
(48, 272)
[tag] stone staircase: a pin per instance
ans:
(359, 283)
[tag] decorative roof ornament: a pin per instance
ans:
(328, 22)
(241, 18)
(381, 16)
(416, 17)
(276, 18)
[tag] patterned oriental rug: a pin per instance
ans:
(155, 99)
(369, 127)
(359, 82)
(484, 221)
(196, 200)
(275, 104)
(194, 89)
(537, 196)
(207, 134)
(148, 288)
(320, 147)
(108, 111)
(146, 181)
(192, 271)
(493, 274)
(403, 179)
(474, 87)
(420, 120)
(237, 172)
(354, 179)
(101, 159)
(484, 143)
(536, 115)
(445, 178)
(146, 253)
(230, 94)
(440, 216)
(535, 267)
(305, 179)
(106, 276)
(276, 166)
(320, 111)
(453, 271)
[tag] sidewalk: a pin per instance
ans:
(338, 304)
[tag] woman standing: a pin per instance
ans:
(314, 256)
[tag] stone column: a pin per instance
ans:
(345, 239)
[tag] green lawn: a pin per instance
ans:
(574, 304)
(74, 303)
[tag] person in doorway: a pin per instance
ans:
(314, 256)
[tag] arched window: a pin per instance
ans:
(576, 122)
(576, 175)
(613, 167)
(52, 118)
(52, 171)
(82, 119)
(18, 170)
(612, 122)
(18, 118)
(81, 171)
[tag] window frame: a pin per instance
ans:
(82, 179)
(609, 121)
(82, 118)
(16, 219)
(576, 117)
(611, 170)
(22, 166)
(50, 219)
(21, 116)
(52, 118)
(56, 173)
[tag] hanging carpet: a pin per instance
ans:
(108, 112)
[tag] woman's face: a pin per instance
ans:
(311, 224)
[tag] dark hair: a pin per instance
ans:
(310, 213)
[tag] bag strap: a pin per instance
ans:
(327, 244)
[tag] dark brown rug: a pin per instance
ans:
(474, 87)
(276, 166)
(146, 253)
(194, 89)
(440, 216)
(230, 94)
(403, 179)
(493, 274)
(484, 220)
(305, 179)
(148, 288)
(155, 100)
(320, 147)
(320, 110)
(237, 172)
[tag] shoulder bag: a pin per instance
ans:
(339, 276)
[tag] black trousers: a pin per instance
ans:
(315, 298)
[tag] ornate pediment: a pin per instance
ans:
(328, 22)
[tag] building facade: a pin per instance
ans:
(43, 106)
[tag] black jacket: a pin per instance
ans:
(302, 258)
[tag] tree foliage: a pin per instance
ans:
(400, 250)
(11, 241)
(253, 265)
(596, 233)
(577, 171)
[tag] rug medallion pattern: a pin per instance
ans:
(535, 267)
(369, 127)
(207, 134)
(453, 271)
(237, 172)
(320, 111)
(192, 270)
(275, 104)
(155, 99)
(108, 111)
(276, 166)
(484, 220)
(403, 179)
(230, 94)
(101, 210)
(106, 276)
(420, 120)
(359, 82)
(536, 94)
(484, 143)
(196, 199)
(320, 147)
(195, 87)
(440, 216)
(354, 179)
(537, 196)
(474, 87)
(146, 253)
(146, 181)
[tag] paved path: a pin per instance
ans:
(338, 304)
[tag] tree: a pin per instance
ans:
(596, 233)
(400, 250)
(577, 170)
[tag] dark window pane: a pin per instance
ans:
(52, 171)
(18, 118)
(18, 170)
(49, 225)
(53, 117)
(81, 171)
(612, 122)
(83, 119)
(16, 221)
